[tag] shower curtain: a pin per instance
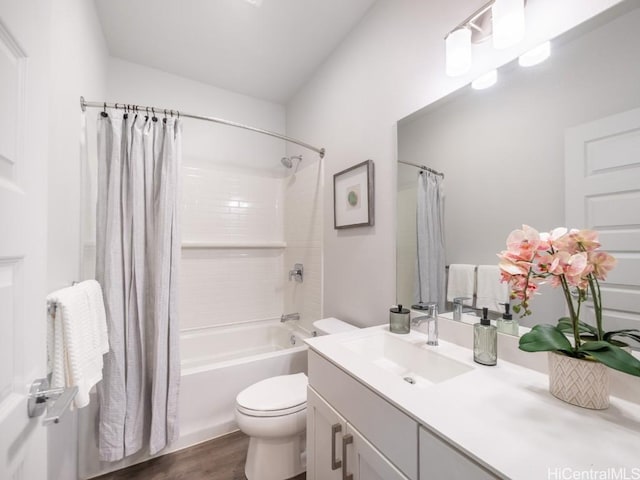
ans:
(430, 268)
(137, 258)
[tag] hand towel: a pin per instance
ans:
(491, 292)
(461, 281)
(78, 326)
(96, 302)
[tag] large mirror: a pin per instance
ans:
(502, 151)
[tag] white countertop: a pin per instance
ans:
(504, 416)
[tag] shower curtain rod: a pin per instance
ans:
(422, 167)
(84, 104)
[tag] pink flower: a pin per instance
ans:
(566, 258)
(524, 243)
(602, 264)
(547, 240)
(578, 241)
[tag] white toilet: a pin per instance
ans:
(273, 412)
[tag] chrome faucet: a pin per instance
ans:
(289, 316)
(431, 318)
(458, 307)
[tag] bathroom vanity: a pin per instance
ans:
(385, 406)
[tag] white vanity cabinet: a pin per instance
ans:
(325, 432)
(346, 420)
(336, 450)
(440, 460)
(355, 434)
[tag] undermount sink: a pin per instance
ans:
(410, 360)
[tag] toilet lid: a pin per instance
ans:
(276, 395)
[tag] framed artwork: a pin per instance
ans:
(353, 199)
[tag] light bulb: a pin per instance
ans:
(508, 22)
(458, 52)
(535, 55)
(485, 81)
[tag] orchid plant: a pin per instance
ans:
(571, 260)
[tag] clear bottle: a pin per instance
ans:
(507, 324)
(399, 320)
(485, 341)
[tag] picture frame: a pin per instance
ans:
(353, 196)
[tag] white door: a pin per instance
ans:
(24, 32)
(325, 429)
(365, 462)
(602, 181)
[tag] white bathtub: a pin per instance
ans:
(217, 363)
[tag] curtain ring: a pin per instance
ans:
(178, 113)
(171, 113)
(116, 107)
(104, 109)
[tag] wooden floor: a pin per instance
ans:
(219, 459)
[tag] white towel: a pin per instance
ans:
(79, 338)
(491, 293)
(461, 281)
(96, 303)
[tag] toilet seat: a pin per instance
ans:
(274, 397)
(271, 413)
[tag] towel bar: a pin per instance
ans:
(51, 306)
(39, 396)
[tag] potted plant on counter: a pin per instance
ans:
(570, 260)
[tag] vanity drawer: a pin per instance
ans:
(392, 432)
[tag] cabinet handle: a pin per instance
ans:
(335, 464)
(346, 440)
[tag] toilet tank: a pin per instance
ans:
(331, 325)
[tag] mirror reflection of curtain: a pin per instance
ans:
(430, 268)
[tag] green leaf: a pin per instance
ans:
(544, 338)
(629, 333)
(612, 356)
(566, 326)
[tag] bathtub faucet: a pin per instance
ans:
(289, 316)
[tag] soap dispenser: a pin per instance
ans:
(507, 324)
(485, 341)
(399, 321)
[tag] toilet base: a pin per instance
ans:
(275, 458)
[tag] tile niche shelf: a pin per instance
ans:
(193, 245)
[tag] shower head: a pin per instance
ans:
(288, 161)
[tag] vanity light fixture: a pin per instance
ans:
(508, 23)
(536, 55)
(485, 81)
(458, 52)
(502, 19)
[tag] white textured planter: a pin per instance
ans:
(580, 382)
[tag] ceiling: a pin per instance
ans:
(266, 51)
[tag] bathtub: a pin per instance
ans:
(216, 364)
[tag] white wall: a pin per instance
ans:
(390, 65)
(78, 67)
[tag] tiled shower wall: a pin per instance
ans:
(245, 218)
(303, 234)
(232, 256)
